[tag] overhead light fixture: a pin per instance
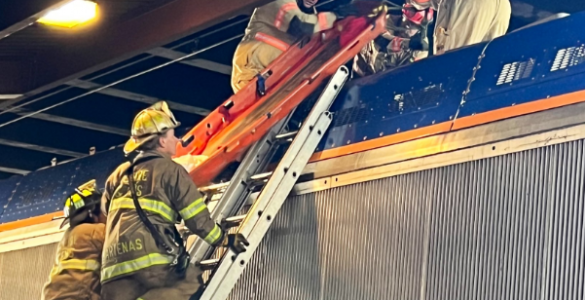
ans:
(70, 14)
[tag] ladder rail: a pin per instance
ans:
(232, 266)
(271, 198)
(256, 159)
(321, 106)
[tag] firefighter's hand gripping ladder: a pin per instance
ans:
(279, 183)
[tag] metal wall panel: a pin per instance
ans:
(23, 273)
(508, 227)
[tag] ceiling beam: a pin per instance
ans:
(198, 62)
(104, 46)
(39, 148)
(13, 171)
(9, 96)
(17, 27)
(73, 122)
(88, 85)
(26, 14)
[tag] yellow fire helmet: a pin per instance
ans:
(85, 200)
(150, 122)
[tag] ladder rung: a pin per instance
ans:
(214, 187)
(236, 218)
(209, 264)
(261, 176)
(219, 186)
(287, 135)
(233, 221)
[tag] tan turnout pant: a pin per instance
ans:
(154, 283)
(466, 22)
(250, 59)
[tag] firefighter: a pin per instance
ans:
(466, 22)
(404, 42)
(271, 30)
(144, 256)
(76, 272)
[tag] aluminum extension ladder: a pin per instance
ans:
(226, 270)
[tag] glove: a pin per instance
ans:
(418, 42)
(236, 242)
(344, 11)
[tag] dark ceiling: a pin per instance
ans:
(61, 74)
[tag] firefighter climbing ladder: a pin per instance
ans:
(279, 183)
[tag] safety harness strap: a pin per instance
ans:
(153, 231)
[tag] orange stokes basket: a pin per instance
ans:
(226, 134)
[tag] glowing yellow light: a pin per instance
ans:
(70, 14)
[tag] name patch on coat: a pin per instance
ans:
(124, 247)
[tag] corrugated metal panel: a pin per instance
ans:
(506, 227)
(23, 273)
